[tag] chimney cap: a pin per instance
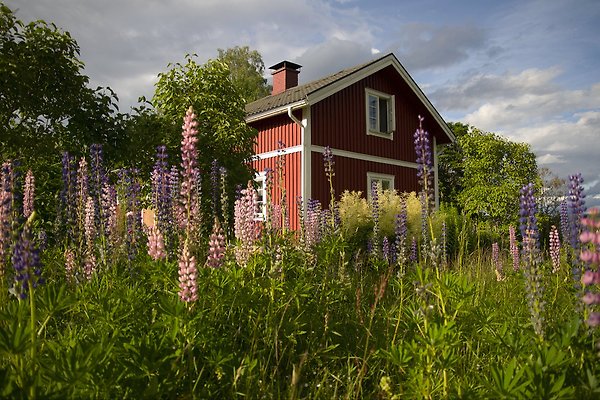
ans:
(286, 64)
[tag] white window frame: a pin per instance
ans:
(260, 179)
(375, 176)
(391, 111)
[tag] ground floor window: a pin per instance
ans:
(387, 182)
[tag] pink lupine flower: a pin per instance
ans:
(28, 194)
(496, 262)
(70, 265)
(216, 243)
(554, 249)
(188, 287)
(189, 207)
(90, 266)
(156, 244)
(514, 247)
(245, 227)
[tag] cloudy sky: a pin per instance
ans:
(528, 70)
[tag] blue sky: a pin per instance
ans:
(527, 70)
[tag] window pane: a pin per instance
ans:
(372, 112)
(383, 115)
(385, 184)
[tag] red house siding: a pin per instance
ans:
(279, 128)
(339, 121)
(292, 182)
(351, 174)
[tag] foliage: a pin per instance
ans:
(482, 173)
(223, 133)
(45, 103)
(247, 69)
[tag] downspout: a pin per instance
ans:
(293, 117)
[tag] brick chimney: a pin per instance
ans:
(285, 76)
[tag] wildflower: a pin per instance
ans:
(514, 247)
(554, 249)
(590, 254)
(424, 163)
(401, 231)
(188, 287)
(26, 263)
(67, 193)
(216, 246)
(413, 250)
(375, 195)
(156, 244)
(312, 224)
(496, 262)
(386, 249)
(533, 275)
(28, 194)
(576, 201)
(162, 199)
(245, 228)
(190, 194)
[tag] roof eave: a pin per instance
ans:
(276, 111)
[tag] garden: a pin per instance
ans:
(385, 298)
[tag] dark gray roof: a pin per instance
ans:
(300, 92)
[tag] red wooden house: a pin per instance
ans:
(366, 114)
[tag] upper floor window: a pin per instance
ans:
(381, 119)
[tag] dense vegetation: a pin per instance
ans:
(387, 298)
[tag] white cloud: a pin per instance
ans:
(550, 159)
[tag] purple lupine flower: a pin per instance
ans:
(188, 286)
(531, 257)
(98, 178)
(554, 249)
(329, 162)
(413, 250)
(514, 247)
(130, 188)
(81, 199)
(386, 249)
(156, 244)
(28, 194)
(90, 237)
(162, 200)
(576, 201)
(590, 254)
(216, 246)
(225, 203)
(109, 211)
(401, 230)
(26, 263)
(424, 162)
(6, 213)
(312, 226)
(375, 192)
(190, 193)
(496, 261)
(301, 220)
(215, 179)
(564, 221)
(68, 202)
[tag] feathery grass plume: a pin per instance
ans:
(190, 178)
(576, 201)
(216, 246)
(188, 286)
(375, 195)
(245, 228)
(514, 247)
(156, 244)
(496, 262)
(531, 258)
(554, 249)
(424, 165)
(28, 194)
(26, 263)
(590, 255)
